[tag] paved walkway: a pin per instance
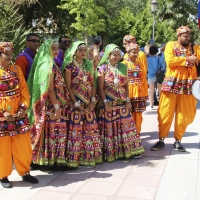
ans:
(162, 175)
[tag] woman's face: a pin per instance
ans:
(55, 49)
(115, 57)
(133, 54)
(6, 58)
(81, 53)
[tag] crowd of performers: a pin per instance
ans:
(62, 106)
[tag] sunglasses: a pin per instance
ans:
(34, 41)
(66, 41)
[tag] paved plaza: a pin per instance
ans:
(161, 175)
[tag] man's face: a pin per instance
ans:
(124, 44)
(33, 43)
(65, 44)
(184, 39)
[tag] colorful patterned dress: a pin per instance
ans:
(117, 128)
(179, 79)
(83, 145)
(49, 137)
(13, 95)
(138, 89)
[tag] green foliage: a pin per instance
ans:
(111, 19)
(11, 27)
(170, 15)
(88, 16)
(60, 23)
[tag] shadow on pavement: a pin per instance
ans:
(188, 134)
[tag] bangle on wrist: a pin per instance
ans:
(93, 99)
(56, 106)
(77, 104)
(128, 100)
(105, 101)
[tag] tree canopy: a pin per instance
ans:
(110, 19)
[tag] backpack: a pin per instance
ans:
(160, 75)
(197, 65)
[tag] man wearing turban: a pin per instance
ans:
(15, 141)
(176, 96)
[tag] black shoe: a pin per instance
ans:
(137, 156)
(34, 166)
(159, 145)
(179, 146)
(5, 183)
(30, 179)
(156, 103)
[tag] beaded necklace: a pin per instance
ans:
(182, 51)
(5, 68)
(82, 67)
(115, 72)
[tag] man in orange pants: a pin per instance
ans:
(176, 96)
(15, 142)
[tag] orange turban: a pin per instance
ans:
(132, 46)
(183, 29)
(129, 39)
(6, 47)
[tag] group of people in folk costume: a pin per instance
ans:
(74, 111)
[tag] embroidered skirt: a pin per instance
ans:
(119, 138)
(83, 142)
(51, 146)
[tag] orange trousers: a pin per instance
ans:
(182, 106)
(18, 149)
(138, 120)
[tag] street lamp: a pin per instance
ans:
(154, 7)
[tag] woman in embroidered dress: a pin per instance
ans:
(83, 136)
(48, 94)
(116, 125)
(138, 87)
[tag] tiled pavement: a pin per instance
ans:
(161, 175)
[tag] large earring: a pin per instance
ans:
(74, 57)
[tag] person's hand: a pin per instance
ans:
(193, 58)
(57, 114)
(91, 106)
(81, 109)
(108, 108)
(128, 105)
(20, 113)
(9, 116)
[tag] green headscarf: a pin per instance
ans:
(39, 77)
(69, 56)
(104, 60)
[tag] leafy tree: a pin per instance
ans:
(11, 28)
(88, 16)
(111, 19)
(59, 20)
(19, 2)
(170, 15)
